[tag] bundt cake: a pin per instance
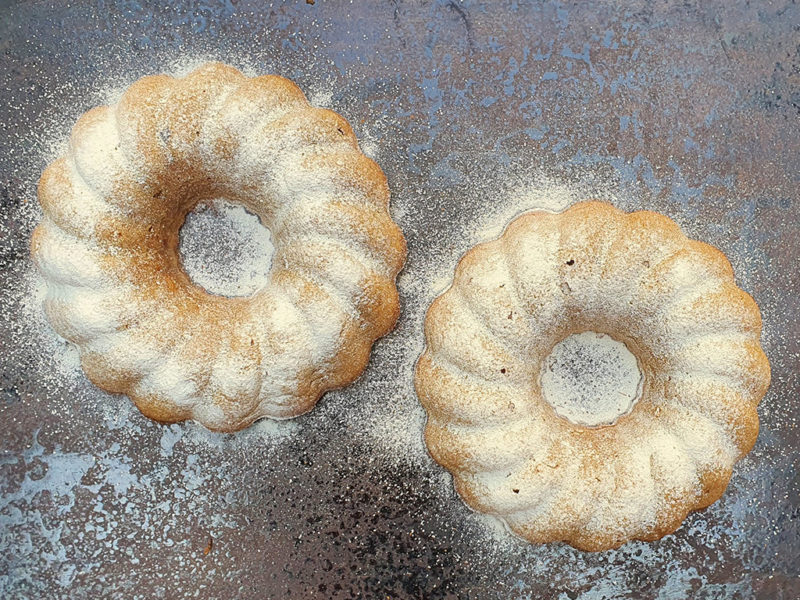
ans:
(108, 248)
(592, 276)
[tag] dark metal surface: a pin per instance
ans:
(691, 109)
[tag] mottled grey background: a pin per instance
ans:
(688, 108)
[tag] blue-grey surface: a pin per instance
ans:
(691, 109)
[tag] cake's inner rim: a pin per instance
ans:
(591, 379)
(225, 248)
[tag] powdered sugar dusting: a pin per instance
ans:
(226, 249)
(321, 98)
(356, 468)
(591, 379)
(61, 358)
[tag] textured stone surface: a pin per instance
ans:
(691, 109)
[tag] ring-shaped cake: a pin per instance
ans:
(638, 279)
(108, 248)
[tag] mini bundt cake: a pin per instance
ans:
(108, 248)
(547, 471)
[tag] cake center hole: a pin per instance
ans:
(591, 379)
(225, 249)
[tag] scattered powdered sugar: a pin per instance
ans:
(549, 196)
(538, 193)
(369, 147)
(60, 358)
(263, 431)
(116, 83)
(154, 474)
(226, 249)
(321, 98)
(591, 379)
